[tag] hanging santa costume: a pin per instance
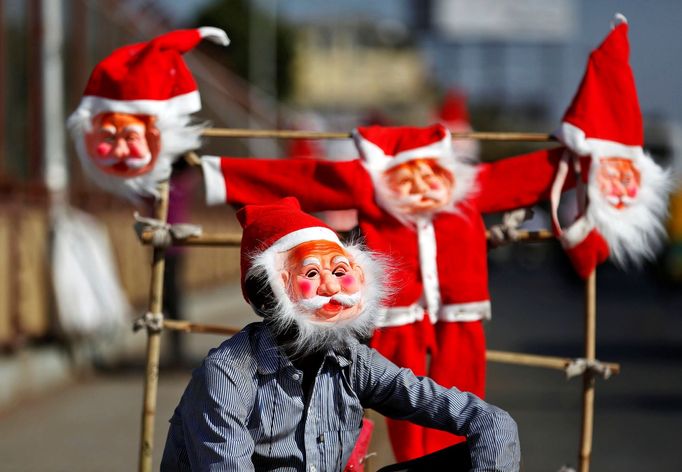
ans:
(148, 87)
(454, 115)
(622, 209)
(439, 259)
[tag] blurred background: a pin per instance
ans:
(319, 65)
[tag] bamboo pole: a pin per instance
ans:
(189, 327)
(505, 357)
(588, 377)
(534, 360)
(296, 134)
(153, 340)
(234, 239)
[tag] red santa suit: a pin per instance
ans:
(438, 263)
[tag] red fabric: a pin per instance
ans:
(406, 346)
(396, 139)
(153, 70)
(606, 104)
(454, 109)
(356, 463)
(588, 253)
(520, 181)
(265, 224)
(461, 251)
(458, 361)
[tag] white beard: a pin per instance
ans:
(635, 232)
(177, 138)
(314, 335)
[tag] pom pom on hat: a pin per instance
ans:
(149, 78)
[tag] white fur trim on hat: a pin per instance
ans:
(315, 233)
(575, 139)
(91, 105)
(377, 159)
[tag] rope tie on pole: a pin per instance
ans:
(163, 234)
(508, 230)
(580, 366)
(152, 321)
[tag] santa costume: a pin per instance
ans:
(439, 273)
(622, 209)
(147, 79)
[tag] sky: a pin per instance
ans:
(655, 37)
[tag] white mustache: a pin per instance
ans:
(614, 200)
(318, 301)
(416, 198)
(131, 162)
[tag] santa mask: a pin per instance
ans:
(123, 145)
(133, 120)
(415, 171)
(618, 180)
(324, 284)
(420, 186)
(325, 292)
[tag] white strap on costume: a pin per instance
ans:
(400, 316)
(581, 227)
(455, 312)
(459, 312)
(427, 263)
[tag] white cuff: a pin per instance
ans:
(214, 182)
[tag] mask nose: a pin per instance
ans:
(419, 185)
(329, 285)
(121, 150)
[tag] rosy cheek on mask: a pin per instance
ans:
(348, 282)
(306, 288)
(135, 150)
(632, 191)
(103, 149)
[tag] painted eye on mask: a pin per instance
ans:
(312, 273)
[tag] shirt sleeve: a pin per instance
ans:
(215, 418)
(396, 392)
(519, 181)
(318, 185)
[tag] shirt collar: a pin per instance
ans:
(270, 358)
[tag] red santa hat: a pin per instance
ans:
(382, 148)
(149, 78)
(605, 110)
(453, 111)
(604, 122)
(385, 147)
(454, 114)
(275, 228)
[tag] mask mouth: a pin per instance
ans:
(340, 300)
(130, 162)
(620, 202)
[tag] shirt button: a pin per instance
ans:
(296, 376)
(313, 468)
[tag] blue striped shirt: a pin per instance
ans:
(244, 409)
